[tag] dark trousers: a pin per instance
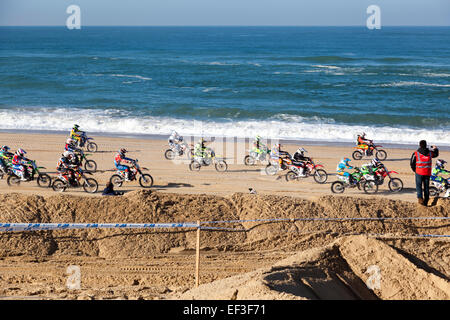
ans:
(423, 187)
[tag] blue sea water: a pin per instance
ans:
(314, 83)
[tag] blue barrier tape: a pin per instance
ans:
(8, 227)
(327, 219)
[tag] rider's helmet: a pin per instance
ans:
(20, 152)
(345, 160)
(68, 154)
(75, 127)
(70, 141)
(257, 138)
(301, 151)
(375, 162)
(5, 148)
(122, 151)
(440, 163)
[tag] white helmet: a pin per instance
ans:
(70, 141)
(68, 154)
(301, 150)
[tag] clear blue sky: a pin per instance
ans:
(225, 12)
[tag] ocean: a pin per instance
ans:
(302, 83)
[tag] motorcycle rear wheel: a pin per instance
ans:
(13, 181)
(357, 155)
(434, 192)
(195, 166)
(146, 181)
(337, 187)
(249, 161)
(59, 186)
(169, 154)
(290, 176)
(271, 170)
(116, 180)
(370, 187)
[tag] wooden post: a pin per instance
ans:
(197, 257)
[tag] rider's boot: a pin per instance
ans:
(127, 176)
(22, 176)
(447, 194)
(301, 172)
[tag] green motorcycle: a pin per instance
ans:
(32, 172)
(358, 179)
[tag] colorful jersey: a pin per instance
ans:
(17, 160)
(436, 171)
(118, 159)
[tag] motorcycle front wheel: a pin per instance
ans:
(44, 180)
(92, 147)
(395, 185)
(320, 176)
(90, 185)
(146, 181)
(381, 155)
(90, 165)
(221, 166)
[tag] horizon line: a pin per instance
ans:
(226, 26)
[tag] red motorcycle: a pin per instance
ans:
(310, 169)
(395, 184)
(369, 150)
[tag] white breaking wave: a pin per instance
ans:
(278, 127)
(412, 83)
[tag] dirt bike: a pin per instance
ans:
(280, 164)
(254, 156)
(145, 180)
(439, 187)
(361, 181)
(62, 182)
(208, 159)
(395, 184)
(310, 169)
(364, 150)
(87, 143)
(179, 149)
(89, 165)
(32, 172)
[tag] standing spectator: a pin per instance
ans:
(421, 164)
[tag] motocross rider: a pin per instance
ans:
(439, 169)
(363, 142)
(5, 158)
(200, 149)
(66, 166)
(19, 162)
(258, 145)
(119, 161)
(174, 140)
(77, 134)
(340, 170)
(372, 166)
(300, 158)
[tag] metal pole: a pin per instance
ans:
(197, 257)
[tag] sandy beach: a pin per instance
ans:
(317, 260)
